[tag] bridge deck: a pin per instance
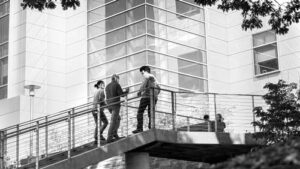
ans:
(193, 146)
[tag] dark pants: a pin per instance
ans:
(144, 103)
(103, 120)
(114, 122)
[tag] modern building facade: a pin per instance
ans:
(188, 48)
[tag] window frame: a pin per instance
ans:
(258, 74)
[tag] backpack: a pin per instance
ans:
(155, 85)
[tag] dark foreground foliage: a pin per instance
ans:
(284, 155)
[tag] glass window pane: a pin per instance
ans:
(107, 54)
(3, 50)
(96, 15)
(173, 49)
(107, 69)
(4, 9)
(176, 35)
(136, 29)
(266, 59)
(115, 7)
(3, 71)
(263, 38)
(192, 83)
(134, 77)
(95, 3)
(115, 22)
(175, 64)
(136, 61)
(135, 14)
(107, 40)
(180, 7)
(96, 29)
(136, 45)
(3, 92)
(133, 3)
(4, 29)
(171, 19)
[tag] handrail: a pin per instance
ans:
(63, 111)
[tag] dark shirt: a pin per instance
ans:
(113, 93)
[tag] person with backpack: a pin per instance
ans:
(99, 100)
(148, 83)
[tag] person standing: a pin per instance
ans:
(113, 93)
(99, 101)
(148, 83)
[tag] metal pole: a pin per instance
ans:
(17, 146)
(188, 123)
(173, 110)
(69, 135)
(215, 107)
(73, 128)
(152, 108)
(2, 149)
(30, 134)
(98, 127)
(253, 112)
(127, 117)
(46, 136)
(37, 146)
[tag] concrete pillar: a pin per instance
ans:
(137, 160)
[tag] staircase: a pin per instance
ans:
(65, 139)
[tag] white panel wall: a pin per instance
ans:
(76, 56)
(217, 59)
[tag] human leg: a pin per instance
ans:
(113, 124)
(140, 119)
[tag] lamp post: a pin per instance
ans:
(31, 89)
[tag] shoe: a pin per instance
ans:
(116, 137)
(102, 138)
(110, 140)
(137, 131)
(95, 142)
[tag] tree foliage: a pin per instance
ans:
(277, 156)
(49, 4)
(281, 15)
(282, 118)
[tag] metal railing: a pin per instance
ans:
(72, 128)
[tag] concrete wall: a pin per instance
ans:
(231, 60)
(48, 49)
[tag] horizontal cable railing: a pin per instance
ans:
(63, 134)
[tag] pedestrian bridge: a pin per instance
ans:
(65, 139)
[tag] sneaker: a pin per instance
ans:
(116, 137)
(102, 138)
(137, 131)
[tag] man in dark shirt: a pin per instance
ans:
(148, 83)
(113, 94)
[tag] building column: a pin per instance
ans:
(137, 160)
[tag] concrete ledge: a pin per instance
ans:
(167, 144)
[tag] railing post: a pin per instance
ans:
(46, 136)
(215, 111)
(2, 149)
(37, 146)
(252, 97)
(17, 145)
(69, 134)
(152, 108)
(98, 127)
(127, 116)
(73, 128)
(173, 110)
(188, 123)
